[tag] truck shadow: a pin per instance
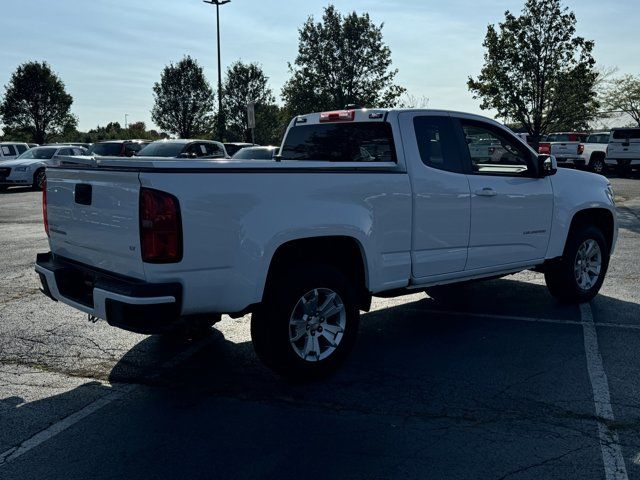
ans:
(427, 378)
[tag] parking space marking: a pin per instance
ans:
(525, 319)
(119, 392)
(612, 458)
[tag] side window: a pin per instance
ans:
(8, 150)
(194, 149)
(493, 152)
(214, 150)
(437, 143)
(64, 151)
(21, 148)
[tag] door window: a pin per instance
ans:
(8, 150)
(437, 143)
(493, 152)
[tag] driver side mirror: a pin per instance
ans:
(547, 165)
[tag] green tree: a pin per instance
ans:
(537, 71)
(341, 60)
(247, 82)
(183, 100)
(624, 96)
(36, 104)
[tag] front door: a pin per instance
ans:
(511, 209)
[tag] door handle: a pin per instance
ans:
(486, 192)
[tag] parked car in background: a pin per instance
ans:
(73, 144)
(594, 151)
(362, 203)
(33, 145)
(526, 138)
(233, 148)
(564, 146)
(623, 151)
(256, 153)
(29, 168)
(184, 149)
(10, 150)
(117, 148)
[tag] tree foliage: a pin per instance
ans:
(183, 100)
(537, 71)
(36, 105)
(341, 60)
(246, 82)
(624, 96)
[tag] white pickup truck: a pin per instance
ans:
(358, 203)
(623, 151)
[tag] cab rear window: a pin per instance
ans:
(340, 142)
(631, 133)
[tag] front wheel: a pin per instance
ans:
(580, 274)
(39, 179)
(307, 323)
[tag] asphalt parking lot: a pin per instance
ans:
(505, 383)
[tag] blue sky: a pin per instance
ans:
(110, 52)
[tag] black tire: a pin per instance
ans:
(561, 278)
(270, 327)
(598, 165)
(38, 179)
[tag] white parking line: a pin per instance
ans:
(119, 392)
(612, 458)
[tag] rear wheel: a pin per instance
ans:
(307, 323)
(39, 179)
(579, 275)
(597, 164)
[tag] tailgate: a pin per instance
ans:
(624, 150)
(93, 218)
(565, 149)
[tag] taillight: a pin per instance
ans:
(544, 149)
(45, 219)
(338, 116)
(160, 227)
(580, 149)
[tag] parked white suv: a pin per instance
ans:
(357, 203)
(10, 150)
(29, 168)
(623, 151)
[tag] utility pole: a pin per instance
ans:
(221, 119)
(126, 116)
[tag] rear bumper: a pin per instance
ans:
(625, 162)
(123, 302)
(577, 161)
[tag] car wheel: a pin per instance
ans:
(597, 165)
(39, 179)
(577, 278)
(307, 323)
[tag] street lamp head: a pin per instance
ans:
(216, 2)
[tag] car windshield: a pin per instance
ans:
(42, 153)
(106, 149)
(255, 153)
(161, 149)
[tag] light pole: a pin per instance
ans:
(221, 120)
(126, 125)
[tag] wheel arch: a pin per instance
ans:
(601, 218)
(344, 252)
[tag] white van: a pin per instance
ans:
(623, 150)
(11, 150)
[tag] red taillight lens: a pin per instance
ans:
(338, 116)
(45, 219)
(544, 149)
(160, 227)
(580, 149)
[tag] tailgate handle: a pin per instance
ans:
(83, 193)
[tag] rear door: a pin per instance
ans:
(93, 218)
(441, 200)
(511, 211)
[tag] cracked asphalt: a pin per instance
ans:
(493, 386)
